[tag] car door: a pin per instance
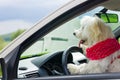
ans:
(48, 24)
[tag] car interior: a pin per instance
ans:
(44, 57)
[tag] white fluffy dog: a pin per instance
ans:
(103, 49)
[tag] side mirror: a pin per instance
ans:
(108, 17)
(2, 69)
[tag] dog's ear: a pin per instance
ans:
(98, 26)
(100, 30)
(96, 29)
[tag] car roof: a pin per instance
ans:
(112, 5)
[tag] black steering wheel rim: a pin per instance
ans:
(65, 57)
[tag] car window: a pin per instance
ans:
(18, 16)
(57, 40)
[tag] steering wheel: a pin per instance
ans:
(65, 57)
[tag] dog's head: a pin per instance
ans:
(93, 30)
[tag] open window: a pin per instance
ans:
(43, 58)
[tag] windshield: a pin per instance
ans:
(19, 15)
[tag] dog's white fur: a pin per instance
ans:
(92, 31)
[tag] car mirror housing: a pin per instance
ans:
(108, 17)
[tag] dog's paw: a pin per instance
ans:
(72, 68)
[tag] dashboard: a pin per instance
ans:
(45, 65)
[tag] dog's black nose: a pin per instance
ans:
(74, 33)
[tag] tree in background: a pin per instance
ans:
(17, 33)
(2, 43)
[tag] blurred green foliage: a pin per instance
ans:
(17, 33)
(3, 43)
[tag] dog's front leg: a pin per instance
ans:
(75, 69)
(85, 68)
(92, 67)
